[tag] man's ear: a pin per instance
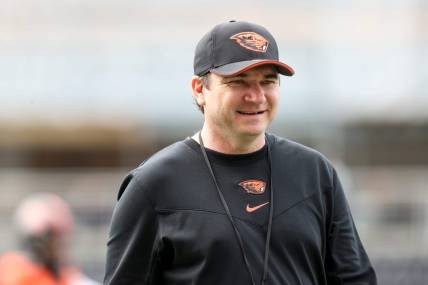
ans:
(198, 90)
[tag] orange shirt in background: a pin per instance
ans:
(17, 269)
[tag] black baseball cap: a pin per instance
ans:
(233, 47)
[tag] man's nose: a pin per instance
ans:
(255, 93)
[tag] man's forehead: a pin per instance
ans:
(265, 71)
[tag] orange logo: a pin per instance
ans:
(253, 186)
(251, 41)
(250, 209)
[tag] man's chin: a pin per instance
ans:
(253, 133)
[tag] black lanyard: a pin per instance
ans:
(229, 215)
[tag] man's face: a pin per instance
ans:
(243, 105)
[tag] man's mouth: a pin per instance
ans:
(251, 113)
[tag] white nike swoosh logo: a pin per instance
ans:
(250, 209)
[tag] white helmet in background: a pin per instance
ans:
(42, 212)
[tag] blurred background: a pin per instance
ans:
(89, 89)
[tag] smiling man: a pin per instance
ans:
(234, 204)
(237, 109)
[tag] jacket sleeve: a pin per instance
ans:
(132, 247)
(347, 262)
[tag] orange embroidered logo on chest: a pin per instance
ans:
(253, 186)
(251, 41)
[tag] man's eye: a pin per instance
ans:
(269, 82)
(236, 82)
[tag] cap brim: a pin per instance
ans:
(233, 69)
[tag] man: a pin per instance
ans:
(234, 204)
(44, 222)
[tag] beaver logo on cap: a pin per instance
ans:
(251, 41)
(253, 186)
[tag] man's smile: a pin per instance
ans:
(251, 113)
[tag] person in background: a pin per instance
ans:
(44, 222)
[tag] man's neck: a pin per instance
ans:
(230, 144)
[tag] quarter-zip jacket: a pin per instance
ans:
(169, 226)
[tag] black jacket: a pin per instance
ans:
(169, 226)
